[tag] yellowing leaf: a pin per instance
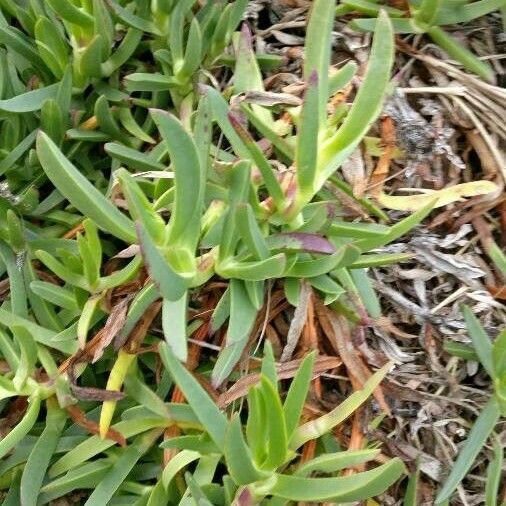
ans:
(444, 196)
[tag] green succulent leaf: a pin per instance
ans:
(94, 445)
(189, 180)
(297, 393)
(85, 477)
(141, 81)
(123, 52)
(132, 20)
(316, 267)
(204, 407)
(268, 368)
(367, 105)
(174, 326)
(90, 63)
(239, 460)
(428, 11)
(342, 77)
(201, 444)
(38, 461)
(16, 282)
(51, 118)
(29, 101)
(227, 360)
(69, 12)
(140, 208)
(306, 154)
(317, 52)
(272, 267)
(193, 52)
(371, 8)
(177, 464)
(52, 47)
(247, 75)
(78, 190)
(276, 433)
(250, 232)
(300, 241)
(28, 356)
(23, 146)
(22, 428)
(345, 489)
(242, 313)
(13, 38)
(398, 230)
(139, 391)
(316, 428)
(114, 477)
(332, 462)
(171, 284)
(221, 311)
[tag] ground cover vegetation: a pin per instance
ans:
(202, 253)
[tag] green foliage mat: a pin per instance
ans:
(132, 188)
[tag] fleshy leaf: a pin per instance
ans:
(80, 192)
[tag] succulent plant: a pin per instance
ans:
(130, 182)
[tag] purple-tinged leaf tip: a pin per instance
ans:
(246, 35)
(310, 243)
(244, 498)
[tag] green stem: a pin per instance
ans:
(456, 50)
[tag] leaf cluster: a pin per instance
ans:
(428, 16)
(130, 181)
